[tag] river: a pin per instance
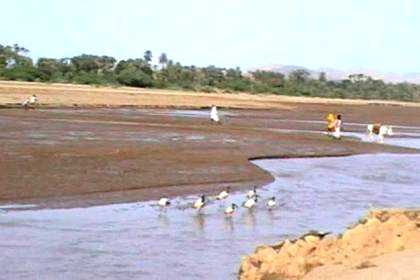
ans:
(139, 241)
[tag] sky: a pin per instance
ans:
(343, 34)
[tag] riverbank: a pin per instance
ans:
(55, 95)
(386, 242)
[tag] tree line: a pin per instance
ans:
(15, 64)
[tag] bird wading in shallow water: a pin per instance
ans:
(250, 203)
(231, 209)
(252, 193)
(223, 194)
(200, 202)
(271, 203)
(164, 202)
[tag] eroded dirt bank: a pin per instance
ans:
(384, 245)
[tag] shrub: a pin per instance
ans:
(134, 78)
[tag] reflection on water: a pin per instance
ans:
(140, 241)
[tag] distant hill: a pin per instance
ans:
(336, 74)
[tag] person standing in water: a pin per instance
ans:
(214, 115)
(330, 123)
(337, 127)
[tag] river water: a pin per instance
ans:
(138, 241)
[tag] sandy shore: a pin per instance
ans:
(67, 95)
(384, 245)
(86, 155)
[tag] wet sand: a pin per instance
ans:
(70, 157)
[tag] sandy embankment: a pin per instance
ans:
(68, 95)
(384, 245)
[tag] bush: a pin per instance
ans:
(88, 78)
(261, 88)
(20, 73)
(134, 78)
(207, 89)
(238, 85)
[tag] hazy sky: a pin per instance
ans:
(382, 35)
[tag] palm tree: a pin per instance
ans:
(148, 56)
(163, 60)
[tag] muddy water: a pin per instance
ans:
(141, 242)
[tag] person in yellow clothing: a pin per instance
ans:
(330, 123)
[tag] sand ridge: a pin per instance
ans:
(53, 95)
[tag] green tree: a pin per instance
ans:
(93, 63)
(270, 78)
(15, 64)
(7, 55)
(299, 75)
(131, 76)
(48, 68)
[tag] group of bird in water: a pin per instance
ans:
(202, 201)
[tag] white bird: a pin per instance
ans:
(250, 203)
(231, 209)
(271, 203)
(252, 193)
(224, 194)
(200, 202)
(163, 202)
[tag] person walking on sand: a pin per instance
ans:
(214, 115)
(337, 127)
